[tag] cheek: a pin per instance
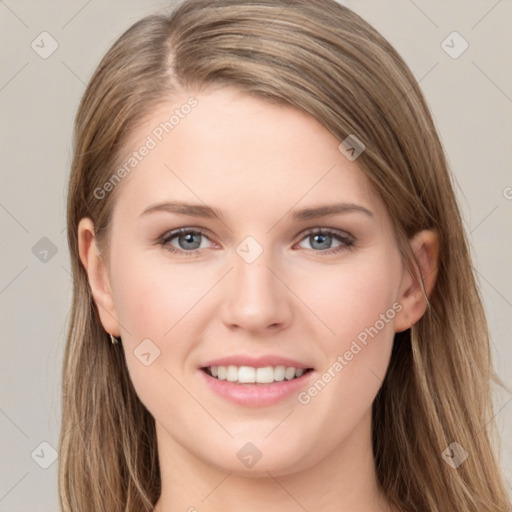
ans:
(159, 306)
(350, 299)
(152, 298)
(359, 352)
(359, 305)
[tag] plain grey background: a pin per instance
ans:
(469, 91)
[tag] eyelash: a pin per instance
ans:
(348, 242)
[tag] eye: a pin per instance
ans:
(188, 240)
(321, 238)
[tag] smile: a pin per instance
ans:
(253, 375)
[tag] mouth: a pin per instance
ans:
(255, 375)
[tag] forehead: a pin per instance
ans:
(240, 153)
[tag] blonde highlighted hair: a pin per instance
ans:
(320, 57)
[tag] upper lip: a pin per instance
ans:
(256, 362)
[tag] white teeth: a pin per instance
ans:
(289, 373)
(248, 374)
(222, 371)
(265, 375)
(232, 374)
(279, 372)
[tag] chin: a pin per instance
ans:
(257, 459)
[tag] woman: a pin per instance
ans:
(256, 367)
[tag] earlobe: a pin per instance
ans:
(97, 274)
(425, 247)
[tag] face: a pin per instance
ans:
(258, 284)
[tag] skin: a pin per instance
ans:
(257, 163)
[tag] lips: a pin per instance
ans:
(267, 388)
(259, 381)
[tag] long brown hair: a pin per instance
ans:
(321, 58)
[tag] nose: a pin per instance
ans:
(255, 297)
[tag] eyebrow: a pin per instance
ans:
(198, 210)
(329, 209)
(193, 210)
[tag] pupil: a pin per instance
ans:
(189, 239)
(325, 243)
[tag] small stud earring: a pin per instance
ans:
(114, 340)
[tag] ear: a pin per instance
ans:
(425, 246)
(98, 276)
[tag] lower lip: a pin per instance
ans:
(257, 395)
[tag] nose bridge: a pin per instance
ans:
(256, 298)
